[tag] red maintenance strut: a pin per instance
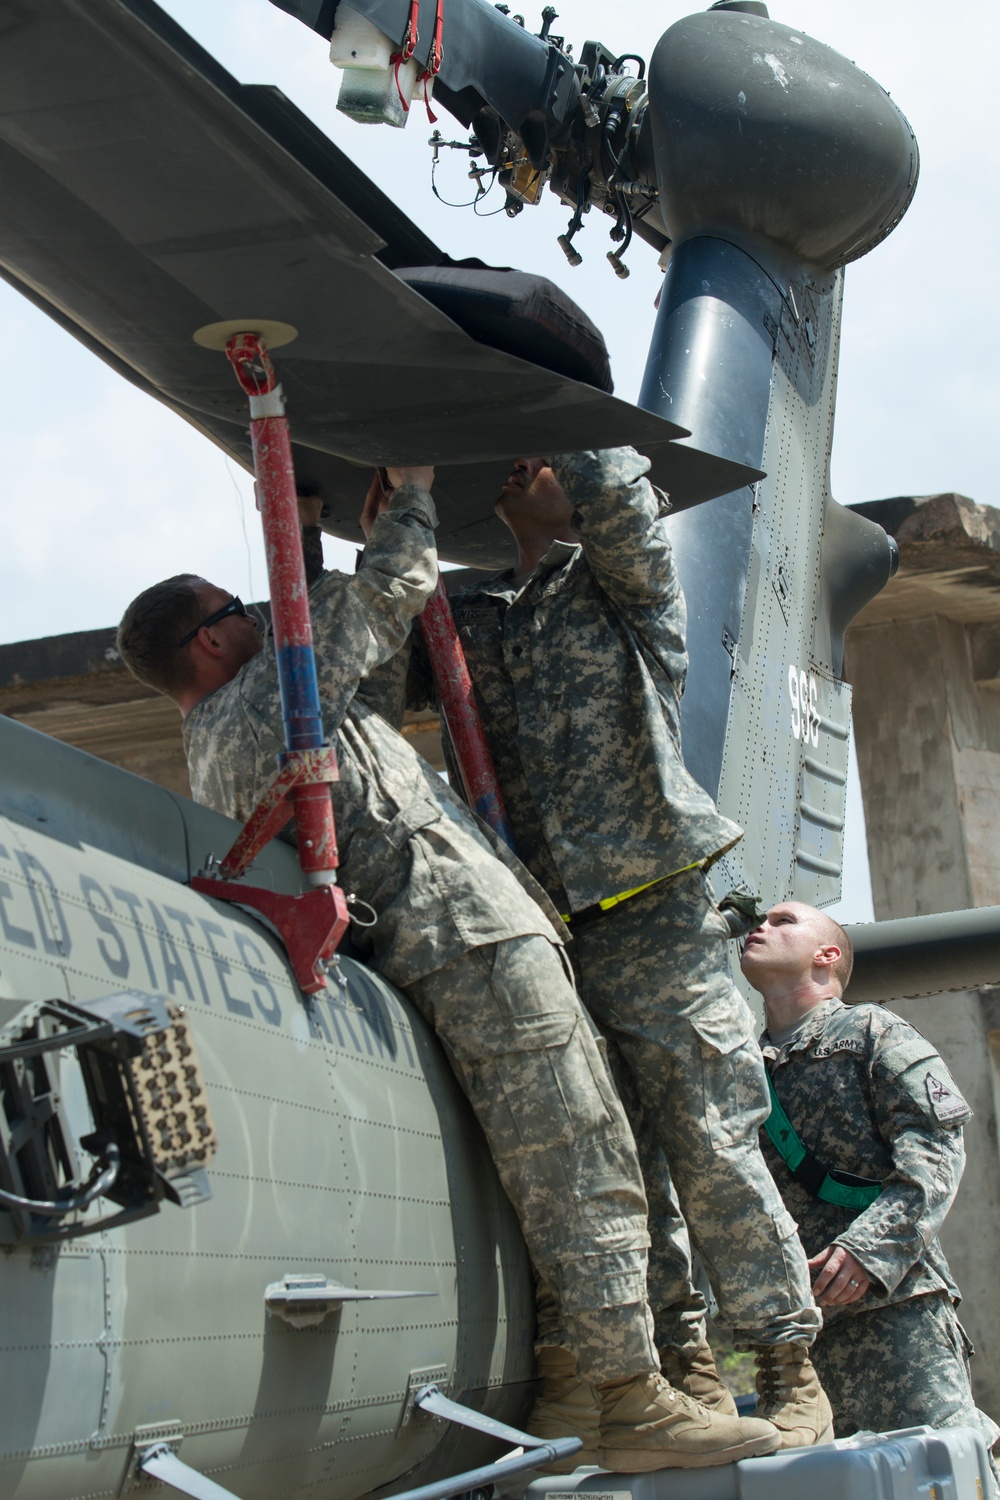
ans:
(458, 705)
(312, 925)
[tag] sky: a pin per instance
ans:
(106, 490)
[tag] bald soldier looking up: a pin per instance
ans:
(881, 1120)
(459, 931)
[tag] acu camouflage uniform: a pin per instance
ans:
(461, 932)
(579, 672)
(867, 1094)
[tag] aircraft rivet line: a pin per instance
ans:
(316, 1109)
(287, 1182)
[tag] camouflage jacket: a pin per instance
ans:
(869, 1095)
(384, 689)
(408, 847)
(579, 673)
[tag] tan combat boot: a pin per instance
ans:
(692, 1369)
(566, 1406)
(646, 1425)
(789, 1395)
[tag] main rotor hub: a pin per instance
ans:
(761, 133)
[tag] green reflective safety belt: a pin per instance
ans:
(841, 1188)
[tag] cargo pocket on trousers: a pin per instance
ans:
(733, 1079)
(525, 1047)
(554, 1086)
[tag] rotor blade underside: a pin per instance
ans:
(938, 953)
(147, 193)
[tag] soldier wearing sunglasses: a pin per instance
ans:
(235, 606)
(470, 937)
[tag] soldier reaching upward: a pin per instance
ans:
(578, 657)
(865, 1143)
(458, 930)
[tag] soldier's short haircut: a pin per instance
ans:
(841, 970)
(151, 627)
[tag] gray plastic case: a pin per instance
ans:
(917, 1463)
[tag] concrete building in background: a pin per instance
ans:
(924, 662)
(76, 688)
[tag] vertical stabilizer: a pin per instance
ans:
(778, 161)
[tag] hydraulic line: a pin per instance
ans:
(101, 1180)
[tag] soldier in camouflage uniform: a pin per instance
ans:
(881, 1120)
(461, 932)
(578, 658)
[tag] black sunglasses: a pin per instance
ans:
(234, 607)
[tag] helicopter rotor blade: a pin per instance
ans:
(146, 194)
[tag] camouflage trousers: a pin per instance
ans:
(905, 1365)
(679, 1306)
(529, 1064)
(653, 972)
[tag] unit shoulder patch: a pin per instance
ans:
(946, 1102)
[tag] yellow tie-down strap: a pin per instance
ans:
(610, 901)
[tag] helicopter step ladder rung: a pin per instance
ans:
(530, 1452)
(915, 1463)
(160, 1460)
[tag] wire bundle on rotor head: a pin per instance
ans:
(438, 143)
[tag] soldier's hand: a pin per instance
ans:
(310, 509)
(421, 476)
(839, 1278)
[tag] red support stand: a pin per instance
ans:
(311, 925)
(290, 621)
(458, 704)
(315, 769)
